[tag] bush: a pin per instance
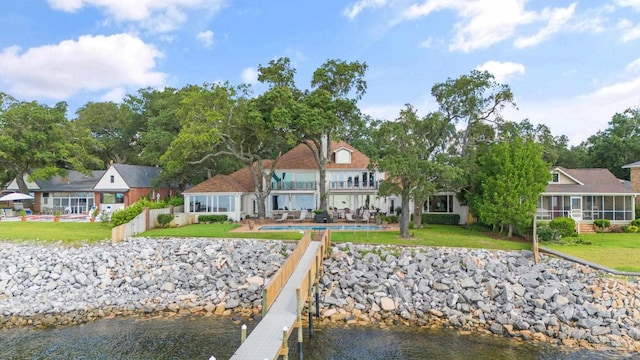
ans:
(636, 222)
(411, 225)
(176, 200)
(631, 229)
(392, 219)
(602, 223)
(165, 219)
(565, 226)
(546, 233)
(212, 218)
(441, 219)
(129, 213)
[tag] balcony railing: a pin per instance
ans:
(349, 185)
(294, 185)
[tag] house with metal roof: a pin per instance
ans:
(586, 195)
(76, 193)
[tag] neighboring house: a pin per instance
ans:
(586, 195)
(76, 193)
(350, 185)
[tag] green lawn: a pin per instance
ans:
(617, 251)
(434, 235)
(66, 232)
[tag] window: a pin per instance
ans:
(439, 204)
(112, 179)
(555, 177)
(112, 198)
(343, 157)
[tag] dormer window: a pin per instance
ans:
(555, 178)
(343, 156)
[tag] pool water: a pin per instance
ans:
(321, 227)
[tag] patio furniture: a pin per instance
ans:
(349, 217)
(284, 217)
(303, 216)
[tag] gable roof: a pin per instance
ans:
(73, 181)
(137, 176)
(632, 165)
(239, 181)
(593, 181)
(301, 157)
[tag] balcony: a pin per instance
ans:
(294, 185)
(349, 185)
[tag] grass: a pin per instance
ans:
(435, 235)
(617, 251)
(70, 233)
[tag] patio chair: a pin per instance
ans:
(366, 216)
(303, 216)
(349, 217)
(283, 218)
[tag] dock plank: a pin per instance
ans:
(266, 339)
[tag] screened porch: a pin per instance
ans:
(586, 207)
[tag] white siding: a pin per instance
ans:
(105, 182)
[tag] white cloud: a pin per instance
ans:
(502, 71)
(631, 33)
(158, 16)
(92, 63)
(486, 22)
(205, 38)
(581, 116)
(634, 65)
(114, 95)
(354, 9)
(249, 75)
(556, 18)
(427, 43)
(630, 3)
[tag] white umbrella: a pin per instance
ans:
(16, 196)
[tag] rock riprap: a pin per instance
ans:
(502, 292)
(139, 275)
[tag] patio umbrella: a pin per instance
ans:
(16, 196)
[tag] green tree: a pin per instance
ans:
(318, 116)
(37, 141)
(113, 126)
(511, 178)
(414, 158)
(617, 145)
(221, 122)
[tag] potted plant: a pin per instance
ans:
(23, 215)
(56, 215)
(250, 222)
(94, 214)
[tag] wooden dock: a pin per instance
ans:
(283, 298)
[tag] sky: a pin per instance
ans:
(571, 65)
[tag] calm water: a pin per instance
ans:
(199, 338)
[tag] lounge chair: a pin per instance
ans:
(284, 217)
(303, 216)
(349, 217)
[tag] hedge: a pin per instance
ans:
(565, 226)
(212, 218)
(441, 219)
(165, 219)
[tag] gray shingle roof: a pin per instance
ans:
(74, 181)
(594, 181)
(137, 176)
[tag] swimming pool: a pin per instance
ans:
(321, 227)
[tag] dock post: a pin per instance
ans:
(285, 343)
(310, 305)
(264, 303)
(243, 333)
(317, 287)
(299, 320)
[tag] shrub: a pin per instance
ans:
(631, 229)
(636, 222)
(441, 219)
(411, 225)
(212, 218)
(602, 223)
(392, 219)
(129, 213)
(165, 219)
(176, 200)
(565, 226)
(546, 233)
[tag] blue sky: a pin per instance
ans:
(570, 64)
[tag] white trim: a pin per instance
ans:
(565, 174)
